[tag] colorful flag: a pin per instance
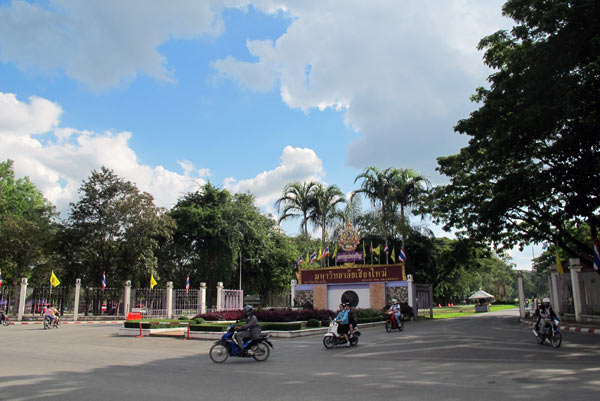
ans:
(371, 248)
(559, 266)
(313, 257)
(596, 256)
(326, 252)
(0, 278)
(386, 249)
(299, 262)
(377, 250)
(307, 259)
(334, 252)
(103, 280)
(152, 281)
(402, 255)
(393, 256)
(187, 283)
(320, 255)
(54, 280)
(364, 252)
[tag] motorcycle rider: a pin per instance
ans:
(545, 313)
(351, 318)
(344, 324)
(396, 310)
(249, 330)
(49, 313)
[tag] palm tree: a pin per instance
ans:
(376, 187)
(407, 192)
(324, 211)
(297, 201)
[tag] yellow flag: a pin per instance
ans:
(54, 280)
(335, 251)
(377, 250)
(559, 267)
(364, 252)
(320, 255)
(393, 255)
(307, 259)
(152, 281)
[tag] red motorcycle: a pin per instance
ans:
(391, 324)
(4, 319)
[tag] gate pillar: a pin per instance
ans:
(22, 297)
(219, 295)
(169, 299)
(127, 298)
(202, 298)
(575, 268)
(76, 300)
(521, 294)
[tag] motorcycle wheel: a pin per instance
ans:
(556, 340)
(540, 338)
(328, 342)
(46, 325)
(354, 341)
(57, 324)
(218, 353)
(401, 325)
(261, 352)
(388, 326)
(5, 322)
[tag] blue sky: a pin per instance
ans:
(247, 94)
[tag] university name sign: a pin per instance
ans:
(354, 274)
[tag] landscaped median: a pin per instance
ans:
(460, 311)
(198, 328)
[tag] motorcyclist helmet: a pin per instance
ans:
(546, 302)
(394, 301)
(247, 310)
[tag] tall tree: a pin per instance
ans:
(297, 201)
(115, 228)
(532, 166)
(408, 193)
(325, 211)
(27, 226)
(376, 187)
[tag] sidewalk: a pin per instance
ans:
(586, 328)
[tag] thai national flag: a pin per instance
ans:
(299, 262)
(187, 284)
(402, 255)
(103, 281)
(326, 252)
(0, 278)
(596, 256)
(313, 257)
(386, 249)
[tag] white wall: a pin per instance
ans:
(334, 296)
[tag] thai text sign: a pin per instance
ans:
(353, 274)
(343, 257)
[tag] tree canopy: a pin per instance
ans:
(532, 165)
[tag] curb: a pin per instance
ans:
(80, 323)
(573, 329)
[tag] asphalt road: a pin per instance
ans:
(485, 357)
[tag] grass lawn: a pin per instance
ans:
(458, 311)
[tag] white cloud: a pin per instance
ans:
(101, 43)
(60, 159)
(297, 164)
(403, 72)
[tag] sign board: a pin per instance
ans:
(354, 274)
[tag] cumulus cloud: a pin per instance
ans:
(401, 71)
(101, 43)
(296, 164)
(58, 159)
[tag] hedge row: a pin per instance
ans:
(154, 324)
(271, 315)
(280, 326)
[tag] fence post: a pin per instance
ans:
(169, 299)
(575, 268)
(22, 298)
(76, 300)
(126, 298)
(219, 295)
(411, 294)
(293, 291)
(554, 297)
(202, 298)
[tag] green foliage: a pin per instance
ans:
(532, 165)
(313, 323)
(371, 319)
(209, 327)
(27, 228)
(281, 326)
(368, 313)
(199, 320)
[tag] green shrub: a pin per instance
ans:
(367, 313)
(209, 327)
(282, 326)
(325, 323)
(152, 324)
(184, 318)
(371, 319)
(199, 320)
(313, 323)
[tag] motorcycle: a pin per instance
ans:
(226, 347)
(551, 333)
(333, 338)
(4, 319)
(391, 324)
(48, 324)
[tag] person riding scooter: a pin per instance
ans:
(545, 314)
(249, 330)
(344, 325)
(396, 310)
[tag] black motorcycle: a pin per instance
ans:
(551, 332)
